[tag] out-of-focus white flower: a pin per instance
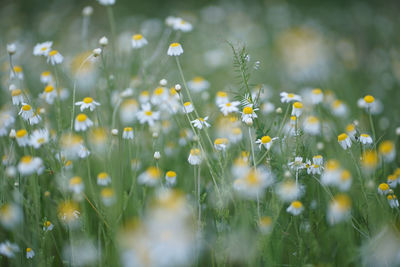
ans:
(54, 57)
(106, 2)
(289, 97)
(199, 123)
(8, 249)
(42, 49)
(138, 41)
(29, 165)
(10, 215)
(198, 84)
(339, 209)
(194, 156)
(295, 208)
(39, 137)
(150, 177)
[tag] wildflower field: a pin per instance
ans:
(199, 133)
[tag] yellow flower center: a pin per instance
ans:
(350, 128)
(102, 175)
(88, 100)
(337, 103)
(265, 139)
(221, 94)
(41, 140)
(174, 45)
(49, 88)
(220, 141)
(26, 107)
(236, 131)
(312, 120)
(297, 204)
(154, 172)
(228, 104)
(386, 147)
(17, 69)
(384, 186)
(369, 99)
(81, 117)
(28, 249)
(343, 201)
(248, 110)
(265, 221)
(46, 73)
(364, 135)
(345, 175)
(317, 91)
(290, 95)
(76, 180)
(332, 165)
(171, 174)
(26, 159)
(342, 137)
(370, 158)
(21, 133)
(198, 79)
(107, 193)
(137, 37)
(129, 129)
(53, 53)
(195, 151)
(16, 92)
(187, 104)
(148, 112)
(159, 91)
(253, 178)
(298, 105)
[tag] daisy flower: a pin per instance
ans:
(17, 97)
(160, 95)
(199, 123)
(138, 41)
(22, 137)
(248, 115)
(35, 119)
(54, 57)
(39, 137)
(127, 133)
(339, 109)
(46, 77)
(150, 177)
(312, 125)
(26, 111)
(351, 131)
(107, 196)
(30, 253)
(76, 185)
(29, 165)
(295, 208)
(146, 115)
(387, 150)
(170, 178)
(317, 96)
(82, 122)
(229, 107)
(254, 182)
(332, 173)
(289, 97)
(198, 84)
(220, 144)
(194, 156)
(297, 164)
(87, 102)
(289, 191)
(8, 249)
(47, 226)
(180, 24)
(49, 94)
(175, 49)
(383, 189)
(235, 135)
(221, 98)
(17, 73)
(103, 179)
(42, 49)
(367, 102)
(344, 141)
(344, 183)
(365, 139)
(339, 209)
(393, 202)
(297, 109)
(188, 107)
(265, 224)
(265, 141)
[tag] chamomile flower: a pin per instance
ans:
(297, 164)
(344, 141)
(180, 24)
(265, 224)
(8, 249)
(289, 191)
(317, 96)
(30, 253)
(254, 182)
(138, 41)
(47, 226)
(106, 2)
(392, 180)
(367, 102)
(150, 177)
(22, 137)
(235, 135)
(17, 97)
(387, 151)
(198, 84)
(312, 125)
(82, 122)
(49, 94)
(365, 139)
(11, 215)
(175, 49)
(295, 208)
(54, 57)
(69, 213)
(332, 173)
(383, 189)
(221, 98)
(146, 115)
(229, 107)
(220, 144)
(297, 109)
(188, 107)
(35, 119)
(339, 209)
(248, 114)
(107, 196)
(369, 160)
(76, 185)
(46, 77)
(393, 202)
(339, 109)
(103, 179)
(344, 183)
(289, 97)
(87, 102)
(195, 156)
(160, 95)
(127, 133)
(144, 97)
(38, 138)
(201, 123)
(351, 131)
(42, 49)
(265, 141)
(17, 73)
(170, 178)
(26, 111)
(83, 152)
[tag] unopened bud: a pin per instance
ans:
(87, 11)
(11, 49)
(103, 41)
